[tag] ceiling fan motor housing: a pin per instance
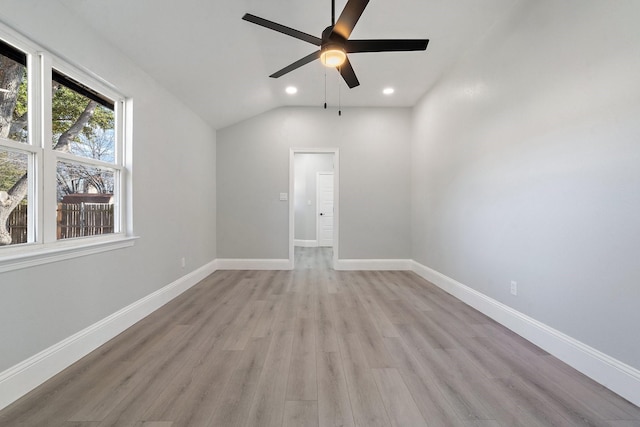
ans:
(328, 36)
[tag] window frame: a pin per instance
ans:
(43, 246)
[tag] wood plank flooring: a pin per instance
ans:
(316, 347)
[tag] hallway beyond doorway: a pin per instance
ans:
(313, 258)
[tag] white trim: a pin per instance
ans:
(306, 243)
(336, 198)
(254, 264)
(126, 177)
(74, 158)
(31, 255)
(28, 374)
(611, 373)
(373, 264)
(17, 40)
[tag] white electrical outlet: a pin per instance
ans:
(183, 262)
(514, 287)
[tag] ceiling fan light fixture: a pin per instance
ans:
(333, 56)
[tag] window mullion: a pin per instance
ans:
(48, 168)
(34, 196)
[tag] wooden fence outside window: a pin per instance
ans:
(17, 224)
(74, 220)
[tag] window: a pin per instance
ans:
(17, 154)
(84, 145)
(62, 157)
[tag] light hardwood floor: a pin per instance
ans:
(316, 347)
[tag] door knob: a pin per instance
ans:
(321, 214)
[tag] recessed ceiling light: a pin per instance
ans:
(291, 90)
(388, 90)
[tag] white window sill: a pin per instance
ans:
(31, 255)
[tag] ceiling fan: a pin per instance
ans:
(335, 44)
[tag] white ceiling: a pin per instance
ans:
(218, 64)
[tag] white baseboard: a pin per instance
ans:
(306, 243)
(253, 264)
(28, 374)
(373, 264)
(611, 373)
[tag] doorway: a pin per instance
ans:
(313, 207)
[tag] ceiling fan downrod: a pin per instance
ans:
(333, 13)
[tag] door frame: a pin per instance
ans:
(336, 198)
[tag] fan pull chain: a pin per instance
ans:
(339, 92)
(325, 88)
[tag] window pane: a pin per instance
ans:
(85, 200)
(13, 94)
(13, 197)
(81, 125)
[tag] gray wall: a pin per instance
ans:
(253, 168)
(174, 202)
(307, 165)
(526, 167)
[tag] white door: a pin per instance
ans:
(324, 183)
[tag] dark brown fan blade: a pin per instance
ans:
(349, 76)
(282, 29)
(398, 45)
(299, 63)
(349, 17)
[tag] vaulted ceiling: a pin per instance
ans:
(218, 64)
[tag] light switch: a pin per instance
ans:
(284, 197)
(308, 202)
